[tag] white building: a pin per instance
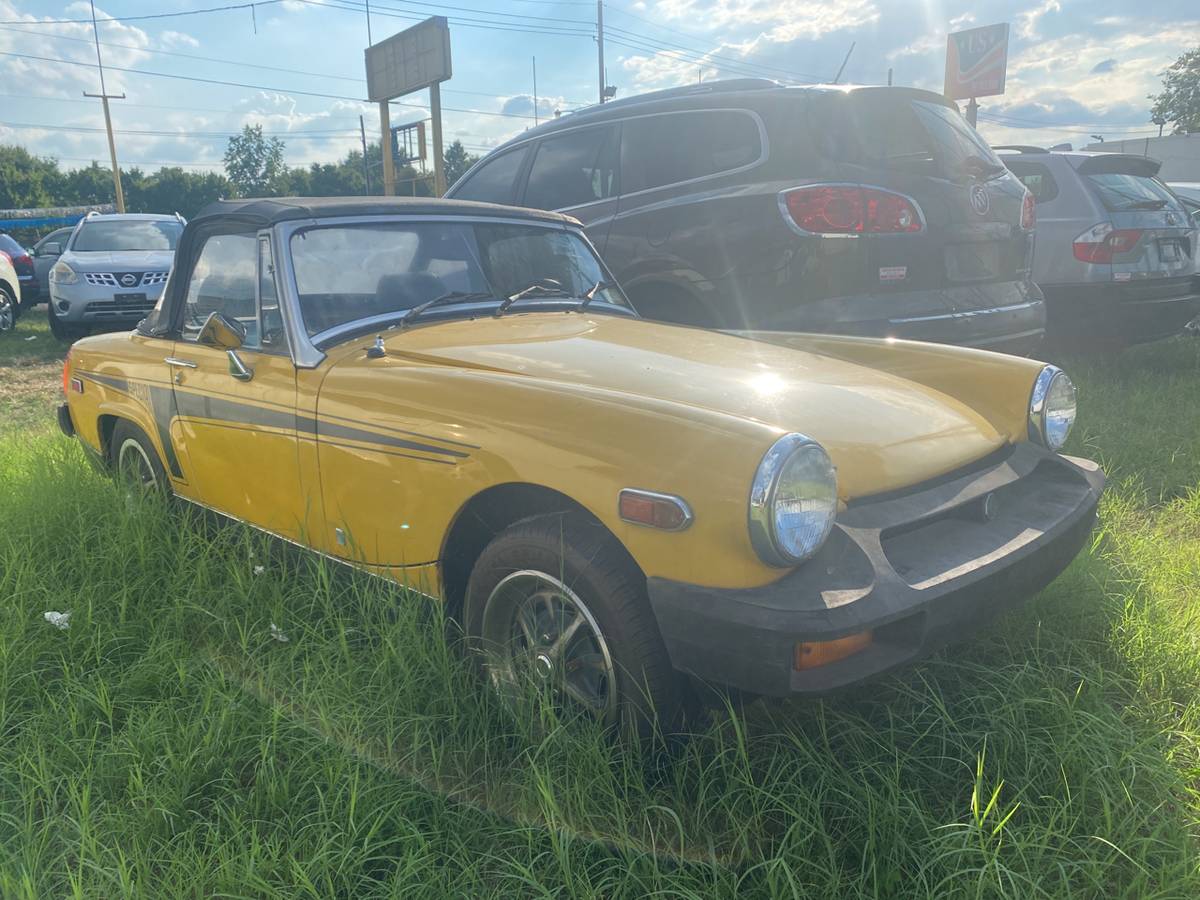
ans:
(1178, 153)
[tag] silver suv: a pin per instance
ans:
(1116, 248)
(111, 272)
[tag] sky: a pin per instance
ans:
(1076, 67)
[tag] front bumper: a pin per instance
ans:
(1130, 312)
(921, 568)
(88, 304)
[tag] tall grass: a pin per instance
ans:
(168, 744)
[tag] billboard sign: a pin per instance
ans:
(976, 62)
(409, 61)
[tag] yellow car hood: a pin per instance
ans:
(882, 431)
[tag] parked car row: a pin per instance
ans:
(874, 211)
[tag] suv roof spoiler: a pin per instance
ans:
(1021, 148)
(1119, 164)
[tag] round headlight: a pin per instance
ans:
(793, 501)
(1052, 408)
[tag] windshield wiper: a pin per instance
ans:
(443, 299)
(546, 287)
(590, 294)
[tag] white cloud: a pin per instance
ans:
(174, 39)
(1028, 27)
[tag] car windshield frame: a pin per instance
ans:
(108, 224)
(309, 349)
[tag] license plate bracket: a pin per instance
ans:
(129, 298)
(1170, 250)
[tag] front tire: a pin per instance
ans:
(60, 329)
(554, 602)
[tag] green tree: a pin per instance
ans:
(254, 164)
(171, 189)
(27, 180)
(1179, 102)
(456, 160)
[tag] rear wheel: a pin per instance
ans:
(555, 606)
(8, 310)
(664, 303)
(134, 460)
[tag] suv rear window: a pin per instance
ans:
(1120, 192)
(670, 148)
(882, 128)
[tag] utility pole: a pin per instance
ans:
(842, 68)
(535, 115)
(439, 164)
(369, 41)
(600, 44)
(362, 131)
(104, 97)
(385, 145)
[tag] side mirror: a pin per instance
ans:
(222, 332)
(54, 248)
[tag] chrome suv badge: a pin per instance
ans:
(128, 279)
(980, 201)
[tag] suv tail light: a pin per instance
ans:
(1028, 211)
(24, 259)
(1100, 243)
(850, 209)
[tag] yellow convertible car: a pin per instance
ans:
(458, 397)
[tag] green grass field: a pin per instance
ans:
(166, 745)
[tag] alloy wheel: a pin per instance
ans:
(134, 466)
(538, 632)
(8, 316)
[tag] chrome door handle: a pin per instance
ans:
(183, 363)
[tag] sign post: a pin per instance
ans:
(413, 59)
(976, 65)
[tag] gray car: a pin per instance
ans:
(1116, 248)
(45, 254)
(111, 272)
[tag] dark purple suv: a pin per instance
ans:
(749, 205)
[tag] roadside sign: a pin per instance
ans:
(413, 59)
(976, 62)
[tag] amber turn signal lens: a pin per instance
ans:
(654, 510)
(811, 654)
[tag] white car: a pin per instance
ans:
(10, 294)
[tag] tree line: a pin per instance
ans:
(253, 167)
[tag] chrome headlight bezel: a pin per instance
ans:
(763, 492)
(1039, 424)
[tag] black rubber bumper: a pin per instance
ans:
(920, 569)
(1129, 313)
(64, 420)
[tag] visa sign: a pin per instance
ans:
(976, 62)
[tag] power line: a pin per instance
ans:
(314, 134)
(230, 62)
(146, 17)
(257, 87)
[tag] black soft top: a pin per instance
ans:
(265, 211)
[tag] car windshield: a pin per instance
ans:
(347, 273)
(129, 235)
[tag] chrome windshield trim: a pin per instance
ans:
(305, 352)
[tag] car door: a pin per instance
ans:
(236, 410)
(575, 172)
(43, 261)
